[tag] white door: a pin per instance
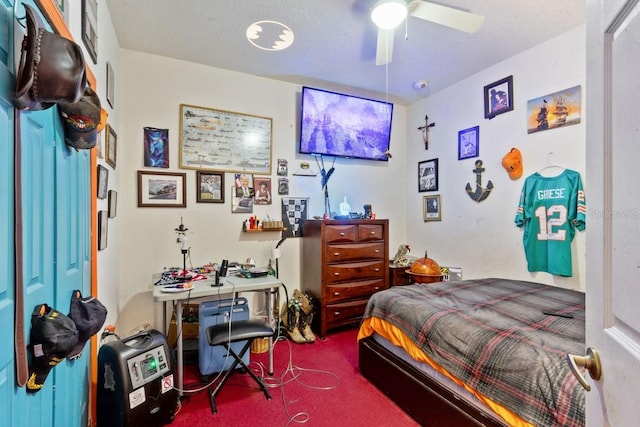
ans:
(613, 200)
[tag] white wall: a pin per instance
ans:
(482, 237)
(150, 92)
(108, 48)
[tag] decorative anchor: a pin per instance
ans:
(425, 131)
(481, 193)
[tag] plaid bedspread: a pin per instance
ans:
(492, 334)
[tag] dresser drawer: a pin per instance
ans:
(341, 233)
(354, 270)
(351, 290)
(345, 312)
(350, 252)
(367, 232)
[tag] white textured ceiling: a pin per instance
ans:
(335, 40)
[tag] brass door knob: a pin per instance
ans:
(591, 362)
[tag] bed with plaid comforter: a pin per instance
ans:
(505, 339)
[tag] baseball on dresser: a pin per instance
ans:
(425, 270)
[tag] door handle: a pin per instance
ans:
(591, 362)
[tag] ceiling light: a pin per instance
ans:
(388, 14)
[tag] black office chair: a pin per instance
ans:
(241, 330)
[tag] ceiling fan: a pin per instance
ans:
(388, 14)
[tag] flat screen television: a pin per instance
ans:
(336, 124)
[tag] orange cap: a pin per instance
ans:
(103, 120)
(512, 162)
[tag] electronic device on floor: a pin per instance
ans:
(136, 382)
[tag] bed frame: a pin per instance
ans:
(424, 399)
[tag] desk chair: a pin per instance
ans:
(241, 330)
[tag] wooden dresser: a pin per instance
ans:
(343, 263)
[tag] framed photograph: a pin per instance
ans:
(224, 140)
(90, 27)
(558, 109)
(103, 181)
(210, 187)
(432, 208)
(498, 97)
(111, 146)
(162, 189)
(110, 85)
(262, 190)
(103, 228)
(428, 175)
(113, 203)
(469, 143)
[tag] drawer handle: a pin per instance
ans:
(341, 234)
(377, 288)
(377, 251)
(336, 254)
(336, 274)
(373, 233)
(376, 270)
(336, 313)
(335, 294)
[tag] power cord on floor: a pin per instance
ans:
(290, 374)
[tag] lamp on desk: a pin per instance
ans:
(184, 249)
(276, 255)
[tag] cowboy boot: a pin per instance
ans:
(307, 333)
(294, 332)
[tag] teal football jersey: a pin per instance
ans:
(550, 210)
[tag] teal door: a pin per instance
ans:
(56, 209)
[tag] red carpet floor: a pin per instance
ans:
(313, 384)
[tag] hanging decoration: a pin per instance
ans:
(480, 192)
(425, 131)
(325, 180)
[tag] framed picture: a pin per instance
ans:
(110, 85)
(498, 97)
(243, 192)
(113, 203)
(432, 208)
(103, 228)
(103, 181)
(224, 140)
(90, 27)
(262, 190)
(428, 175)
(558, 109)
(162, 189)
(156, 147)
(111, 146)
(469, 143)
(294, 214)
(210, 187)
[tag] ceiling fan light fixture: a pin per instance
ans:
(388, 14)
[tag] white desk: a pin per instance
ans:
(202, 288)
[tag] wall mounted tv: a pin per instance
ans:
(336, 124)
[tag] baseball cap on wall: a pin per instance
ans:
(81, 120)
(51, 67)
(512, 162)
(53, 335)
(89, 315)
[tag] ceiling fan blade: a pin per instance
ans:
(447, 16)
(384, 49)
